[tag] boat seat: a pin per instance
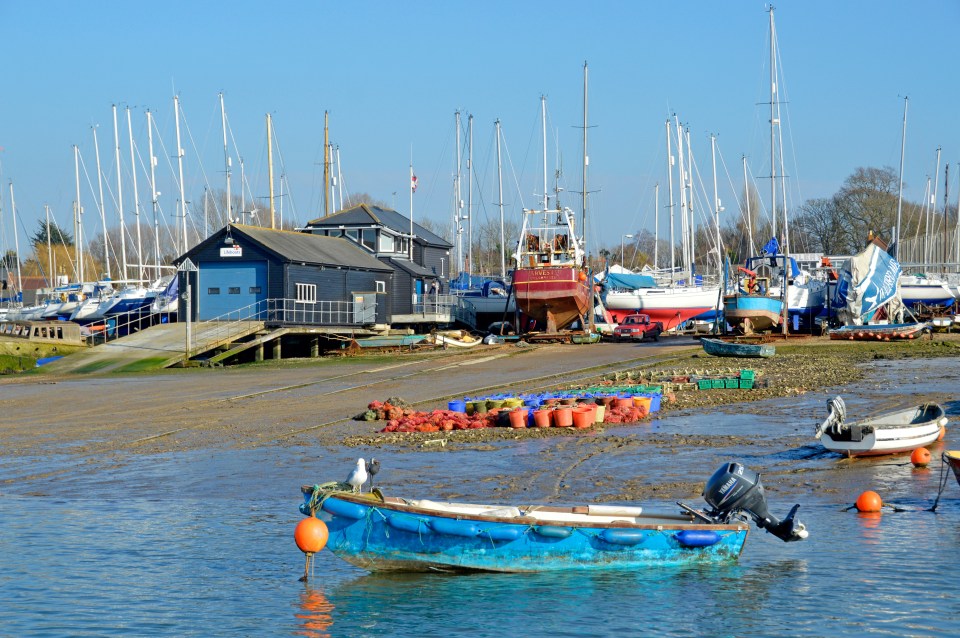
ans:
(503, 512)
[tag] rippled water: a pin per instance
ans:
(201, 545)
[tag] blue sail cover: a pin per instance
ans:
(467, 281)
(868, 281)
(622, 281)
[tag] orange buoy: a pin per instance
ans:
(920, 457)
(869, 501)
(943, 432)
(311, 535)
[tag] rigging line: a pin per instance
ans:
(107, 243)
(283, 171)
(206, 180)
(513, 171)
(781, 89)
(733, 188)
(763, 207)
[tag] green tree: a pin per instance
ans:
(57, 234)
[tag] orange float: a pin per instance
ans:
(311, 535)
(920, 457)
(869, 501)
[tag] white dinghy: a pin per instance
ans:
(889, 433)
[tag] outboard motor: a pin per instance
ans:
(733, 489)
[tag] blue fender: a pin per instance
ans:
(697, 538)
(454, 527)
(503, 533)
(553, 531)
(343, 508)
(408, 523)
(623, 536)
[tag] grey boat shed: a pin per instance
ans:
(421, 262)
(285, 277)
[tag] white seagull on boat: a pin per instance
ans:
(358, 475)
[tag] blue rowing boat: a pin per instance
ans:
(384, 533)
(720, 348)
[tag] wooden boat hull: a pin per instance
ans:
(952, 458)
(555, 296)
(396, 535)
(886, 332)
(752, 313)
(893, 433)
(719, 348)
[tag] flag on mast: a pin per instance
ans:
(413, 181)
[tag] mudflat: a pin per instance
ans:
(100, 421)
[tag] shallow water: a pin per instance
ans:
(201, 544)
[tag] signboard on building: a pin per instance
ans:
(231, 251)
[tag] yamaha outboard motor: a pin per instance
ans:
(733, 489)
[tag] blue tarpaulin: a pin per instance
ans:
(624, 281)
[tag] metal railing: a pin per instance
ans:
(237, 322)
(436, 304)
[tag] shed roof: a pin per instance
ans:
(303, 247)
(414, 269)
(366, 214)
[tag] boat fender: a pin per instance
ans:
(454, 527)
(502, 533)
(407, 523)
(623, 536)
(553, 531)
(697, 538)
(343, 508)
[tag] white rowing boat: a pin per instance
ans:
(888, 433)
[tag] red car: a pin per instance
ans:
(637, 328)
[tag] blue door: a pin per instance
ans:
(231, 288)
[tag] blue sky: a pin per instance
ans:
(392, 74)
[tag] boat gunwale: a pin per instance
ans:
(666, 521)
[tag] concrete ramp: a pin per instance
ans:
(158, 346)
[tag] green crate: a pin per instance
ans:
(746, 374)
(717, 383)
(731, 384)
(746, 384)
(704, 384)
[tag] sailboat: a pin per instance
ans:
(676, 301)
(627, 294)
(771, 283)
(550, 279)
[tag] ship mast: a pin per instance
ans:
(503, 257)
(136, 197)
(226, 158)
(586, 163)
(903, 143)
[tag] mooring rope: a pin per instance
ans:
(944, 477)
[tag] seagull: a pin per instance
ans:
(372, 470)
(358, 475)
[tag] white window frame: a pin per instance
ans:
(381, 286)
(387, 243)
(306, 293)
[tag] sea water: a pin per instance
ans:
(201, 544)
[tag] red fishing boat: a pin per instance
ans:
(550, 280)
